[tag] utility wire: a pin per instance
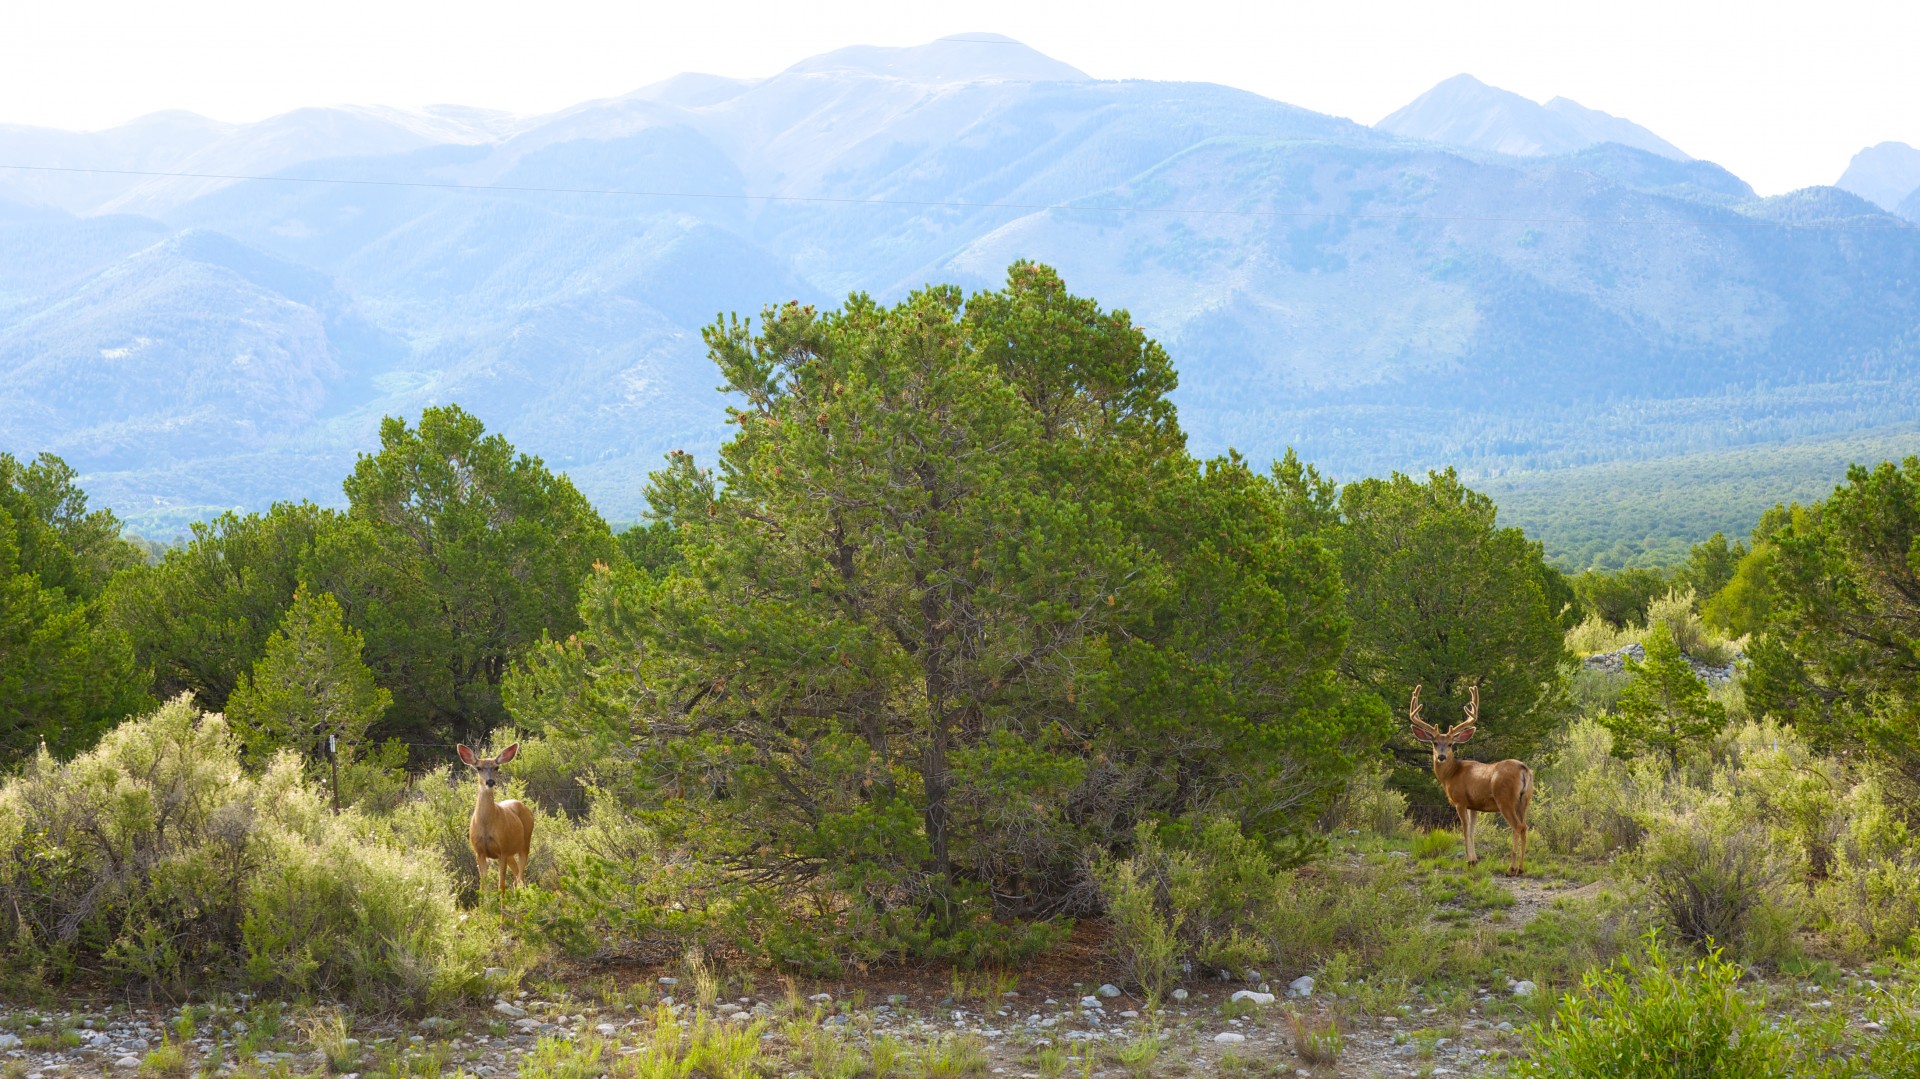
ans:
(1030, 207)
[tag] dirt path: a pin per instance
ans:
(1531, 895)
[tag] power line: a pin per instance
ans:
(1030, 207)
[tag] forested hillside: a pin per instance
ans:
(192, 345)
(1650, 513)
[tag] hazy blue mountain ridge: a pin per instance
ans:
(1378, 301)
(1887, 175)
(1465, 112)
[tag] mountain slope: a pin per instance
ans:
(1376, 302)
(1884, 175)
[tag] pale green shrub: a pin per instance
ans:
(432, 823)
(609, 889)
(1368, 804)
(334, 915)
(1773, 778)
(1586, 801)
(1592, 690)
(1146, 933)
(1871, 900)
(1197, 902)
(1596, 635)
(555, 774)
(1689, 632)
(1324, 910)
(156, 859)
(1717, 878)
(376, 782)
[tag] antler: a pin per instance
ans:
(1413, 715)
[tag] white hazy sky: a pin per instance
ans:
(1781, 94)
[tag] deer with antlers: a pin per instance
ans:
(501, 831)
(1472, 787)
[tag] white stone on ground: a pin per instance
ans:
(1301, 986)
(1257, 998)
(1228, 1037)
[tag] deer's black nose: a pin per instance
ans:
(489, 782)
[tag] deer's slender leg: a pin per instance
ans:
(1466, 833)
(503, 874)
(480, 870)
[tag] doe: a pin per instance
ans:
(1471, 786)
(502, 831)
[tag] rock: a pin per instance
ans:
(511, 1011)
(434, 1023)
(1507, 1027)
(1091, 1002)
(128, 1061)
(1109, 991)
(9, 1041)
(1257, 998)
(137, 1045)
(494, 972)
(1871, 1027)
(821, 998)
(896, 998)
(1179, 994)
(1228, 1037)
(607, 1030)
(669, 981)
(1301, 986)
(1524, 989)
(837, 1021)
(527, 1026)
(1129, 1014)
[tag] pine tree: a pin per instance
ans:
(1443, 597)
(310, 684)
(1665, 708)
(962, 609)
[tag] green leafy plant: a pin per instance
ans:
(1650, 1016)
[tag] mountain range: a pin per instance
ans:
(202, 315)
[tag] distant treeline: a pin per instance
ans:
(1649, 514)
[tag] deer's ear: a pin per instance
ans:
(509, 753)
(1460, 736)
(1421, 735)
(465, 753)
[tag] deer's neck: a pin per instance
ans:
(483, 805)
(1445, 771)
